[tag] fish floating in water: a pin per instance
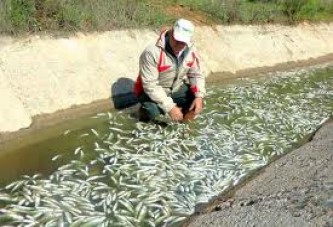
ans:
(142, 174)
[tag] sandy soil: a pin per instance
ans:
(223, 77)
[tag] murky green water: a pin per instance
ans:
(31, 154)
(123, 172)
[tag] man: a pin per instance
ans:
(170, 80)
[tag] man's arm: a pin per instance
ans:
(197, 84)
(196, 78)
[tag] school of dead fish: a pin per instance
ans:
(148, 175)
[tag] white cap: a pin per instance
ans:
(183, 30)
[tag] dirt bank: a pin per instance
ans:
(42, 75)
(296, 190)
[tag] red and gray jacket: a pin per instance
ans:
(160, 75)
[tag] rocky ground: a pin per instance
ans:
(295, 190)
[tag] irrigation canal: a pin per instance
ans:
(111, 170)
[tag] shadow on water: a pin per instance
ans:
(122, 93)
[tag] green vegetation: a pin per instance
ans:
(263, 11)
(17, 16)
(22, 16)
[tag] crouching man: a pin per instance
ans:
(170, 80)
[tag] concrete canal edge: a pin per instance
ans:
(48, 77)
(295, 190)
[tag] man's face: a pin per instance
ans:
(176, 46)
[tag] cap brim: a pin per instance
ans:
(181, 37)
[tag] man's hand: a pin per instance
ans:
(176, 114)
(196, 106)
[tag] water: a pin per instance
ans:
(128, 173)
(31, 153)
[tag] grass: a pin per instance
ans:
(27, 16)
(263, 11)
(20, 16)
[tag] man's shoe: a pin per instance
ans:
(143, 116)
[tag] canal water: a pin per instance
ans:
(111, 170)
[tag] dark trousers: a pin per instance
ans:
(183, 98)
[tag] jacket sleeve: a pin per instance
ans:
(149, 76)
(196, 78)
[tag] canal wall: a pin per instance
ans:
(41, 74)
